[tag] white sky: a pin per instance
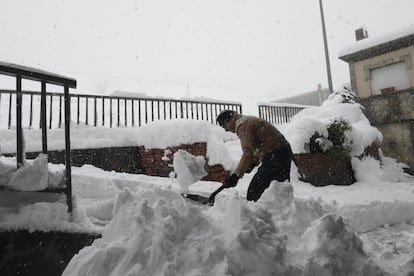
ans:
(239, 50)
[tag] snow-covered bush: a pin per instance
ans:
(335, 144)
(338, 128)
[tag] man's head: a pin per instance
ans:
(227, 120)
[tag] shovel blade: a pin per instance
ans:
(198, 198)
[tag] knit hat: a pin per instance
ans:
(224, 117)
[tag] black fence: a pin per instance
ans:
(106, 111)
(279, 113)
(20, 73)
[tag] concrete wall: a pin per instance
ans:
(39, 253)
(393, 115)
(360, 71)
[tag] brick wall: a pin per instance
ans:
(137, 160)
(159, 162)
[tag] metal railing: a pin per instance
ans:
(279, 113)
(26, 73)
(107, 111)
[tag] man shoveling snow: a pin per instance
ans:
(261, 143)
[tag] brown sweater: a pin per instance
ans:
(257, 138)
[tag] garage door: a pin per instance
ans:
(389, 78)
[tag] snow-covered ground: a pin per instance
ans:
(148, 228)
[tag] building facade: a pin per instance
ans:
(382, 68)
(382, 76)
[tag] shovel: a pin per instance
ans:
(205, 200)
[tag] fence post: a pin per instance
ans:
(43, 116)
(60, 111)
(78, 105)
(10, 108)
(31, 110)
(68, 161)
(19, 131)
(132, 113)
(125, 113)
(50, 111)
(103, 111)
(95, 113)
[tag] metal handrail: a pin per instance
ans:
(279, 113)
(116, 111)
(22, 72)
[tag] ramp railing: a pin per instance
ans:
(27, 73)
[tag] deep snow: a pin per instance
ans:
(294, 229)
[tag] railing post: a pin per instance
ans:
(10, 108)
(95, 113)
(68, 161)
(60, 111)
(139, 112)
(132, 113)
(110, 112)
(103, 111)
(87, 110)
(43, 116)
(152, 111)
(50, 111)
(118, 114)
(31, 110)
(19, 131)
(165, 110)
(125, 113)
(78, 105)
(146, 111)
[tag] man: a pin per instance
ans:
(260, 142)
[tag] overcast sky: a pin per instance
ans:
(241, 50)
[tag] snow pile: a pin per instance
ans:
(334, 249)
(189, 168)
(316, 119)
(46, 216)
(7, 169)
(161, 234)
(32, 176)
(157, 232)
(150, 229)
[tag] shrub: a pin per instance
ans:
(335, 144)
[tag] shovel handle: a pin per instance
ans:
(213, 195)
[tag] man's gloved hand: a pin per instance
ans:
(231, 181)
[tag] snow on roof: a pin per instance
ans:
(393, 39)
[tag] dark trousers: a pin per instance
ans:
(275, 166)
